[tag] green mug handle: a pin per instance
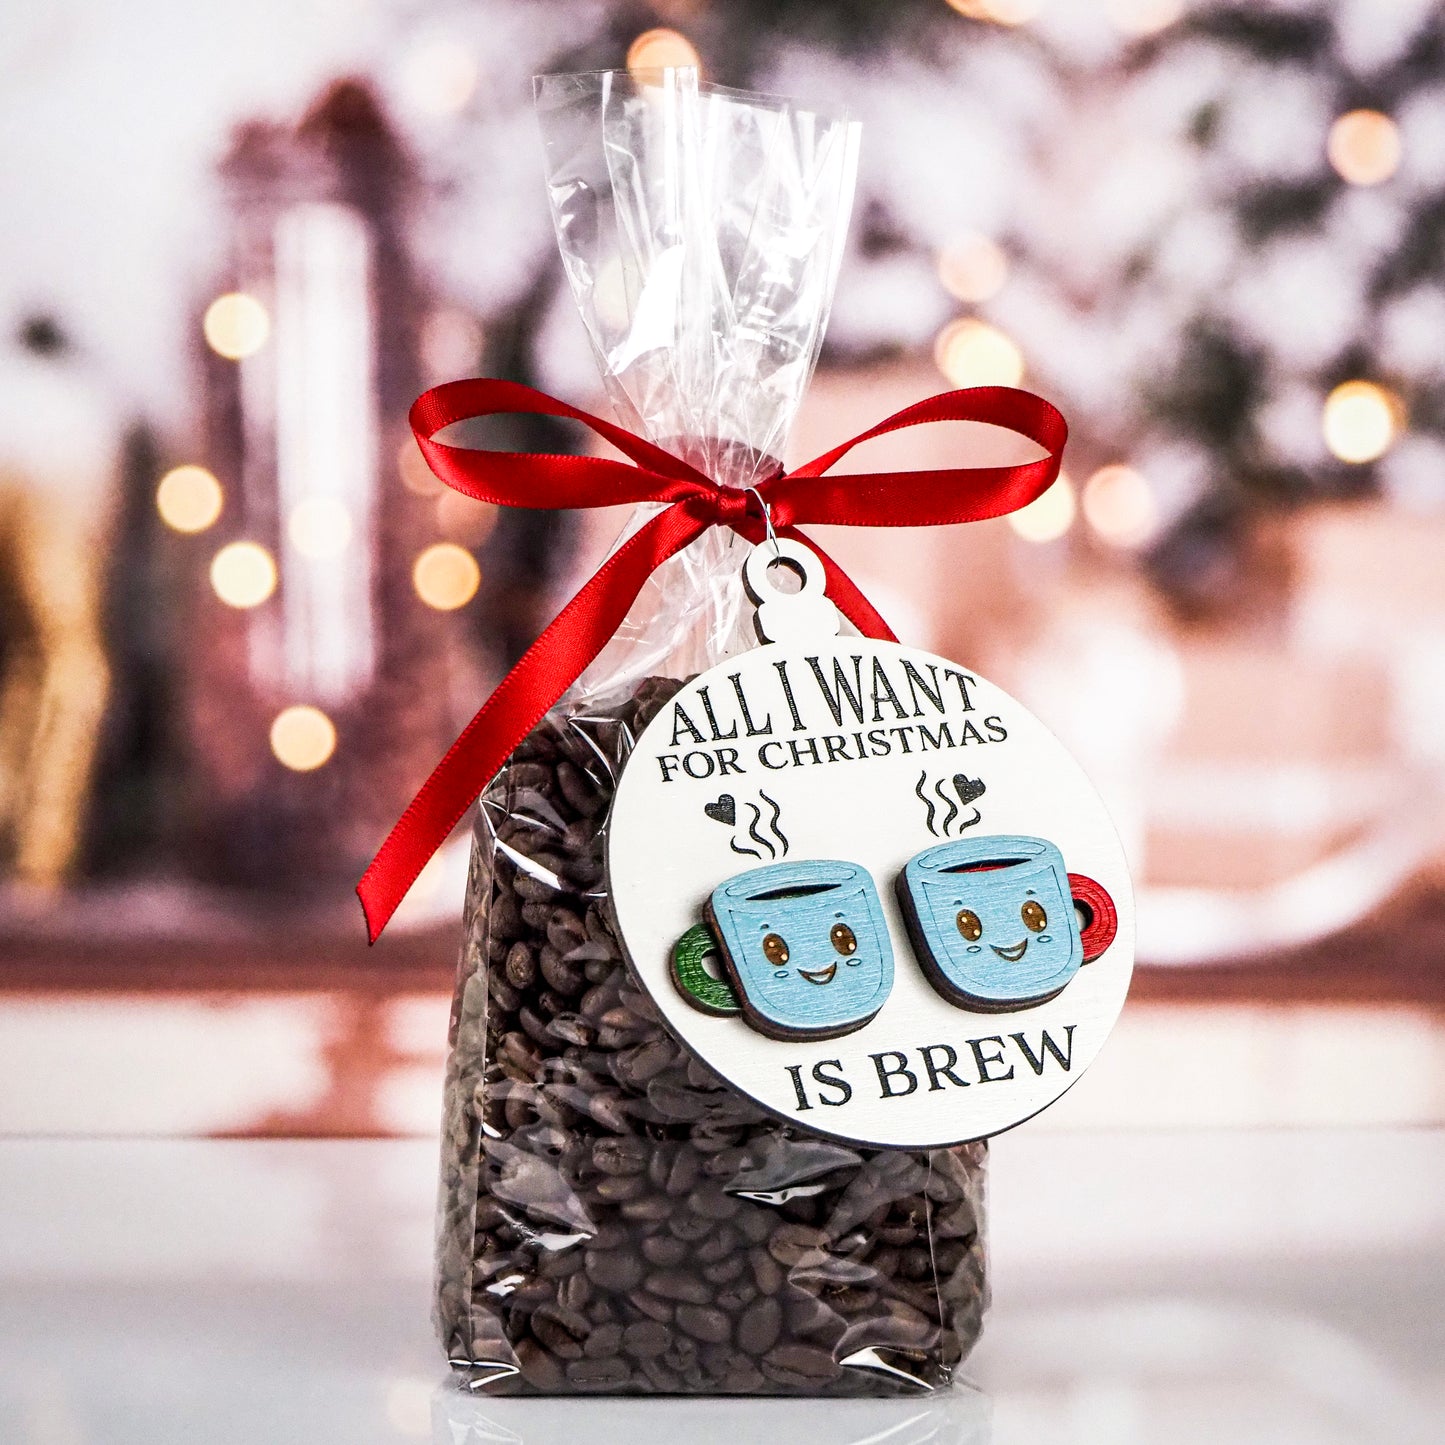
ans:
(705, 993)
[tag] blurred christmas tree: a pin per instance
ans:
(1230, 277)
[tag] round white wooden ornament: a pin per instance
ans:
(865, 885)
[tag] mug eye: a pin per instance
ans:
(1034, 917)
(843, 939)
(775, 949)
(969, 925)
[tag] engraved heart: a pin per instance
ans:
(725, 810)
(968, 788)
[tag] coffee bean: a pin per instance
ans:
(791, 1243)
(605, 1340)
(645, 1339)
(653, 1307)
(521, 967)
(676, 1284)
(799, 1366)
(560, 1330)
(621, 1156)
(704, 1323)
(759, 1326)
(600, 1374)
(613, 1270)
(663, 1249)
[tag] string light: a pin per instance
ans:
(661, 49)
(1364, 147)
(1000, 12)
(973, 268)
(1048, 517)
(319, 527)
(189, 499)
(1360, 421)
(416, 476)
(1143, 17)
(1119, 505)
(439, 77)
(303, 738)
(243, 574)
(236, 325)
(973, 353)
(446, 576)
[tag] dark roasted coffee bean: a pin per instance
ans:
(645, 1339)
(718, 1245)
(684, 1172)
(603, 1341)
(614, 1269)
(521, 967)
(791, 1243)
(604, 1374)
(560, 1330)
(759, 1326)
(691, 1227)
(617, 1187)
(725, 1270)
(704, 1323)
(540, 1370)
(576, 1291)
(800, 1366)
(621, 1156)
(664, 1250)
(653, 1307)
(735, 1297)
(650, 1209)
(712, 1203)
(677, 1284)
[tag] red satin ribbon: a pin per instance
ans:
(692, 503)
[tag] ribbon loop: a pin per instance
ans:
(692, 504)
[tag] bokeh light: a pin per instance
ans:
(1142, 17)
(446, 576)
(1119, 505)
(416, 476)
(1361, 420)
(243, 574)
(1364, 147)
(319, 527)
(439, 76)
(661, 49)
(189, 499)
(302, 738)
(973, 353)
(973, 268)
(236, 325)
(1001, 12)
(1048, 517)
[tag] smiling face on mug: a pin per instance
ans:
(806, 945)
(993, 921)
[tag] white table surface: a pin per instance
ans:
(1179, 1288)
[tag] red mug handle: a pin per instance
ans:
(1103, 918)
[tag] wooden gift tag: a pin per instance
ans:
(865, 885)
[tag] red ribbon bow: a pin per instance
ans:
(693, 503)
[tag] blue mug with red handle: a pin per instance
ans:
(998, 923)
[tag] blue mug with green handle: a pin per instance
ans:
(803, 947)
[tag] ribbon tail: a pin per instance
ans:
(546, 670)
(846, 596)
